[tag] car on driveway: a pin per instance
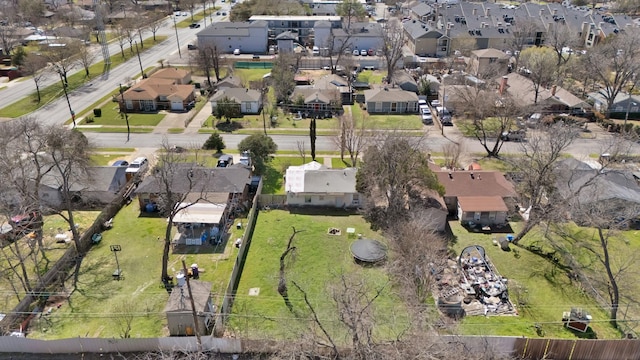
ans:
(120, 163)
(426, 116)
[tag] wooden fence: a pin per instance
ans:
(271, 200)
(576, 349)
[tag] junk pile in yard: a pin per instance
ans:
(472, 286)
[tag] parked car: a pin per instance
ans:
(120, 163)
(363, 52)
(184, 13)
(515, 135)
(426, 117)
(192, 47)
(371, 52)
(236, 52)
(218, 13)
(356, 52)
(315, 51)
(140, 164)
(224, 14)
(194, 25)
(444, 116)
(225, 161)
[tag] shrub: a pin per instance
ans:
(88, 119)
(97, 112)
(214, 141)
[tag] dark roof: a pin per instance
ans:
(416, 30)
(422, 9)
(205, 180)
(99, 178)
(389, 95)
(482, 183)
(179, 299)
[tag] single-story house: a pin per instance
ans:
(197, 180)
(250, 100)
(153, 94)
(180, 315)
(489, 61)
(312, 184)
(404, 81)
(477, 196)
(336, 82)
(99, 186)
(179, 76)
(312, 102)
(390, 101)
(622, 103)
(554, 98)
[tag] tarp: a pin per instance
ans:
(203, 213)
(294, 177)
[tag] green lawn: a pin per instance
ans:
(105, 159)
(546, 289)
(247, 75)
(111, 116)
(90, 312)
(337, 163)
(30, 103)
(390, 122)
(318, 260)
(372, 76)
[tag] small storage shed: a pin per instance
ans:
(179, 313)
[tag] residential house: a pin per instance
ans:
(554, 99)
(192, 178)
(390, 101)
(491, 62)
(250, 100)
(478, 197)
(335, 82)
(201, 221)
(357, 36)
(404, 81)
(624, 105)
(229, 81)
(248, 37)
(425, 40)
(180, 314)
(312, 102)
(95, 188)
(312, 184)
(178, 76)
(615, 191)
(153, 94)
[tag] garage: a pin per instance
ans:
(177, 105)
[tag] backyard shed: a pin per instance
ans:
(179, 313)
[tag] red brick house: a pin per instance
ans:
(153, 94)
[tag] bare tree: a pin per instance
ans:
(452, 152)
(541, 62)
(85, 56)
(349, 10)
(560, 38)
(34, 65)
(393, 168)
(282, 76)
(614, 63)
(353, 136)
(524, 32)
(154, 22)
(9, 37)
(62, 59)
(302, 151)
(124, 312)
(209, 58)
(393, 40)
(337, 47)
(121, 36)
(283, 289)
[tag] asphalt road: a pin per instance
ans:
(57, 112)
(581, 148)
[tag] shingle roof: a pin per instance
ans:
(239, 95)
(151, 88)
(422, 9)
(483, 183)
(170, 73)
(490, 53)
(521, 88)
(388, 95)
(330, 181)
(232, 28)
(482, 203)
(205, 180)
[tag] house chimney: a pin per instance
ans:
(474, 11)
(450, 175)
(541, 12)
(472, 177)
(555, 11)
(503, 84)
(487, 12)
(553, 90)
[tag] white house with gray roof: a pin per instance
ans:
(250, 100)
(313, 184)
(248, 37)
(390, 101)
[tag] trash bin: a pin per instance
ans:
(239, 225)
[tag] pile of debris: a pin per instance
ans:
(472, 286)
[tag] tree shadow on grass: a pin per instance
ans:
(272, 180)
(229, 126)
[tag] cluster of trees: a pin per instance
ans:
(31, 153)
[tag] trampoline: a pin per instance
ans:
(368, 250)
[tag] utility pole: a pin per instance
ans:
(139, 61)
(177, 38)
(193, 307)
(124, 108)
(66, 95)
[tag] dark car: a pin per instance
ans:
(224, 14)
(120, 163)
(194, 26)
(192, 47)
(218, 13)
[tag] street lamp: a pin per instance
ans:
(177, 38)
(66, 95)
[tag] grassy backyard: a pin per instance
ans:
(546, 290)
(387, 122)
(318, 261)
(30, 103)
(100, 301)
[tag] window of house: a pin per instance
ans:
(492, 60)
(129, 104)
(307, 199)
(321, 198)
(394, 107)
(378, 106)
(492, 215)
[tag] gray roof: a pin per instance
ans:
(330, 181)
(179, 299)
(232, 28)
(310, 94)
(205, 180)
(229, 82)
(389, 95)
(99, 178)
(422, 9)
(359, 29)
(239, 95)
(287, 35)
(416, 30)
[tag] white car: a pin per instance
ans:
(184, 13)
(356, 52)
(236, 52)
(138, 165)
(363, 52)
